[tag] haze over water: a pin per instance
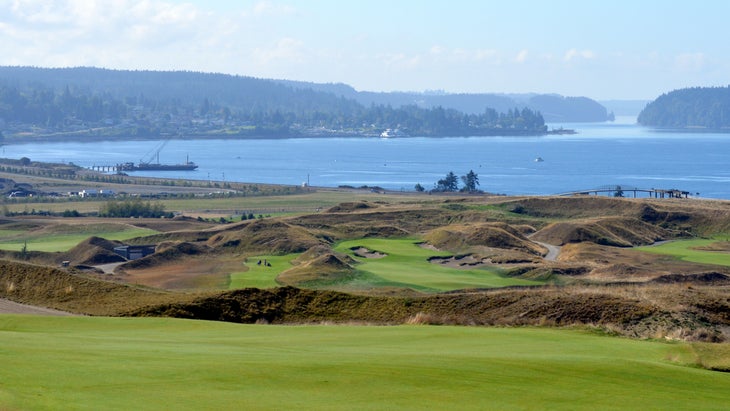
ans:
(619, 153)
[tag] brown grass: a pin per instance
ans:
(269, 236)
(613, 231)
(74, 292)
(615, 288)
(462, 237)
(637, 311)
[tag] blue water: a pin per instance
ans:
(599, 155)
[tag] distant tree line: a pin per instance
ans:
(700, 107)
(133, 208)
(42, 106)
(150, 103)
(450, 183)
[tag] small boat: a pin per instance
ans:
(562, 131)
(392, 132)
(539, 159)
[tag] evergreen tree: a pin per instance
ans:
(471, 181)
(448, 183)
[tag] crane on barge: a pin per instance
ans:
(148, 165)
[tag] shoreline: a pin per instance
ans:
(89, 138)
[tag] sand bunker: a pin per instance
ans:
(428, 246)
(462, 261)
(367, 253)
(11, 307)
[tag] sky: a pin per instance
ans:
(637, 49)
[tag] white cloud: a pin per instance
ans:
(437, 50)
(268, 8)
(574, 54)
(287, 49)
(108, 33)
(487, 55)
(521, 56)
(439, 53)
(401, 61)
(689, 61)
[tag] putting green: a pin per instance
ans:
(261, 275)
(406, 265)
(686, 250)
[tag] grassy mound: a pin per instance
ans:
(266, 237)
(507, 307)
(93, 251)
(386, 220)
(613, 231)
(167, 252)
(660, 311)
(318, 266)
(614, 264)
(574, 207)
(350, 206)
(319, 251)
(325, 269)
(458, 238)
(77, 293)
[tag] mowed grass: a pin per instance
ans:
(406, 265)
(51, 242)
(289, 203)
(684, 250)
(260, 275)
(85, 363)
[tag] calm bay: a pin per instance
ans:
(619, 153)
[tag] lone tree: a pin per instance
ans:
(448, 183)
(471, 181)
(419, 188)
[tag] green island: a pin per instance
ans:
(696, 109)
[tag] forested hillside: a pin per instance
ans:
(85, 102)
(697, 107)
(554, 108)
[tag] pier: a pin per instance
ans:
(626, 191)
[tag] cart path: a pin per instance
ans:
(553, 251)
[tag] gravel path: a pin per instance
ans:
(11, 307)
(553, 251)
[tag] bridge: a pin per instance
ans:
(628, 191)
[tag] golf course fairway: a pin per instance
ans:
(85, 363)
